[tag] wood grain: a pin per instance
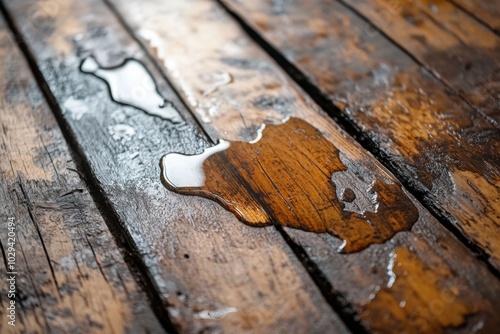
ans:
(447, 41)
(71, 276)
(442, 150)
(192, 40)
(486, 11)
(210, 272)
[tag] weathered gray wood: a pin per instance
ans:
(439, 146)
(212, 273)
(394, 286)
(71, 276)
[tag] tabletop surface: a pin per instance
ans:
(266, 166)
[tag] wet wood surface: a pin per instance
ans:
(447, 41)
(71, 276)
(241, 203)
(209, 272)
(234, 112)
(437, 144)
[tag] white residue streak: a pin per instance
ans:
(121, 132)
(390, 270)
(76, 108)
(342, 246)
(259, 134)
(186, 171)
(216, 314)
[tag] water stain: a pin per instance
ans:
(131, 84)
(289, 176)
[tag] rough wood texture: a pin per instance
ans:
(447, 41)
(210, 272)
(487, 11)
(71, 277)
(363, 283)
(441, 148)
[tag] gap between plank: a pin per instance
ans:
(445, 218)
(335, 299)
(123, 239)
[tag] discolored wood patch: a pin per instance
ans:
(285, 178)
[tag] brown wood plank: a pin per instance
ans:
(487, 11)
(448, 42)
(434, 141)
(71, 276)
(210, 272)
(396, 282)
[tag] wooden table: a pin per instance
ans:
(266, 166)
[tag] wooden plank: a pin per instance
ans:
(71, 276)
(486, 11)
(447, 41)
(431, 139)
(396, 282)
(210, 272)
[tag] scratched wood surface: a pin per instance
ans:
(259, 90)
(377, 261)
(71, 276)
(208, 271)
(438, 145)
